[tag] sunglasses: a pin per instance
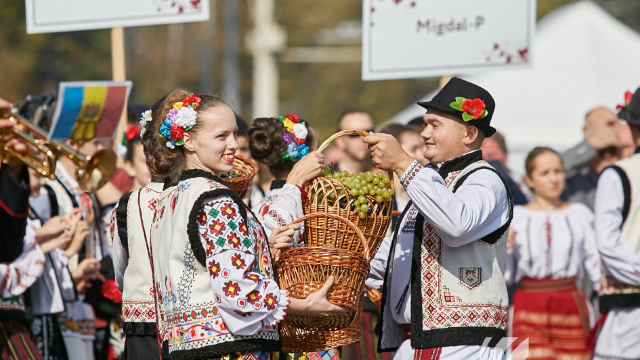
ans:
(356, 135)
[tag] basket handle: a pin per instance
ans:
(328, 142)
(361, 236)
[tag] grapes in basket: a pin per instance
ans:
(376, 185)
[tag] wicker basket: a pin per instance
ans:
(375, 296)
(246, 170)
(296, 340)
(374, 226)
(304, 270)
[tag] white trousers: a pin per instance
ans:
(405, 352)
(620, 335)
(78, 349)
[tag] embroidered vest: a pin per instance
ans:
(614, 293)
(458, 294)
(194, 327)
(134, 215)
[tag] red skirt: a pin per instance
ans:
(16, 342)
(554, 316)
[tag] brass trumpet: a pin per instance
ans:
(93, 171)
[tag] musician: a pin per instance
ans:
(444, 295)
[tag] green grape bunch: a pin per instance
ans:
(376, 185)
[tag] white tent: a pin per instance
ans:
(582, 58)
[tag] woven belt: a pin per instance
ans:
(543, 285)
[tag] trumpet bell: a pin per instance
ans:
(97, 170)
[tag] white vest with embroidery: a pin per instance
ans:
(194, 327)
(138, 303)
(614, 293)
(458, 294)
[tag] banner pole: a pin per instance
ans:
(119, 73)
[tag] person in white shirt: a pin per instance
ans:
(549, 241)
(444, 296)
(617, 210)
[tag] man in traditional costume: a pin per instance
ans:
(617, 210)
(444, 296)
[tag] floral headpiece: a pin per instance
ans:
(131, 132)
(144, 119)
(471, 109)
(627, 99)
(180, 119)
(295, 137)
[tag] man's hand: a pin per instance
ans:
(387, 154)
(306, 169)
(603, 136)
(88, 270)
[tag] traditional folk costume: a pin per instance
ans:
(15, 278)
(54, 288)
(213, 272)
(133, 274)
(548, 256)
(77, 322)
(280, 207)
(444, 296)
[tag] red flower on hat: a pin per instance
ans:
(292, 117)
(176, 132)
(474, 107)
(192, 99)
(132, 132)
(627, 99)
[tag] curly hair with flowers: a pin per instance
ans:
(295, 137)
(181, 118)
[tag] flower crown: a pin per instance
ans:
(295, 137)
(179, 119)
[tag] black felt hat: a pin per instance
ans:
(631, 110)
(451, 98)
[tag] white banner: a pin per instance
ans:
(46, 16)
(404, 39)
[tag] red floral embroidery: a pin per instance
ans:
(254, 297)
(253, 277)
(201, 218)
(231, 289)
(234, 241)
(217, 227)
(214, 269)
(238, 262)
(211, 247)
(243, 314)
(474, 107)
(242, 226)
(270, 301)
(228, 211)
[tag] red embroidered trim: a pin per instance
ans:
(427, 354)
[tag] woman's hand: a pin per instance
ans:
(87, 271)
(81, 232)
(306, 169)
(52, 228)
(61, 241)
(282, 237)
(315, 304)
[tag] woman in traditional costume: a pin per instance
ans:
(212, 262)
(550, 241)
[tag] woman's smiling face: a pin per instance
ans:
(213, 146)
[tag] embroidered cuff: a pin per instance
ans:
(279, 312)
(410, 173)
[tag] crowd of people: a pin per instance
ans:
(167, 262)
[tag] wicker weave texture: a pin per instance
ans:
(246, 170)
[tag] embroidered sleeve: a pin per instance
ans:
(286, 209)
(247, 298)
(119, 255)
(616, 255)
(18, 276)
(410, 173)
